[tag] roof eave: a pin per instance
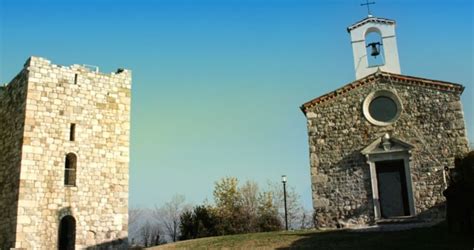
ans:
(369, 78)
(370, 19)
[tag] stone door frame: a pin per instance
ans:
(372, 161)
(387, 149)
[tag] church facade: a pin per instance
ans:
(378, 146)
(64, 158)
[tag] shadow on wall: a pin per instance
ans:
(118, 244)
(350, 169)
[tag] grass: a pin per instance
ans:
(420, 238)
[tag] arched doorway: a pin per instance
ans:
(67, 233)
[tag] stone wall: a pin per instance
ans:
(12, 116)
(99, 105)
(432, 121)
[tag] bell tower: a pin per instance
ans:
(384, 49)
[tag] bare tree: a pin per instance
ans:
(168, 215)
(294, 205)
(145, 234)
(250, 194)
(135, 216)
(306, 219)
(150, 235)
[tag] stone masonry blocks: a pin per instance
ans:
(432, 120)
(36, 111)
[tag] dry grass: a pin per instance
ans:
(420, 238)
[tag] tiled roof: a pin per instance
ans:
(370, 20)
(380, 75)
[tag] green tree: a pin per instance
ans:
(267, 214)
(186, 225)
(229, 208)
(237, 209)
(200, 222)
(226, 194)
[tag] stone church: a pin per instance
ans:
(64, 158)
(378, 146)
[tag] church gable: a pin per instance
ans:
(386, 77)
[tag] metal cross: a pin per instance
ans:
(368, 6)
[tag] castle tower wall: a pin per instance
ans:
(95, 108)
(12, 116)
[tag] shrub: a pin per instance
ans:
(460, 194)
(200, 222)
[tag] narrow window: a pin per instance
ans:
(72, 132)
(75, 78)
(70, 170)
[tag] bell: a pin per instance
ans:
(374, 49)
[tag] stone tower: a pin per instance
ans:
(64, 157)
(385, 29)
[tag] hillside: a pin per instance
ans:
(420, 238)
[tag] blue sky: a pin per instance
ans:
(217, 84)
